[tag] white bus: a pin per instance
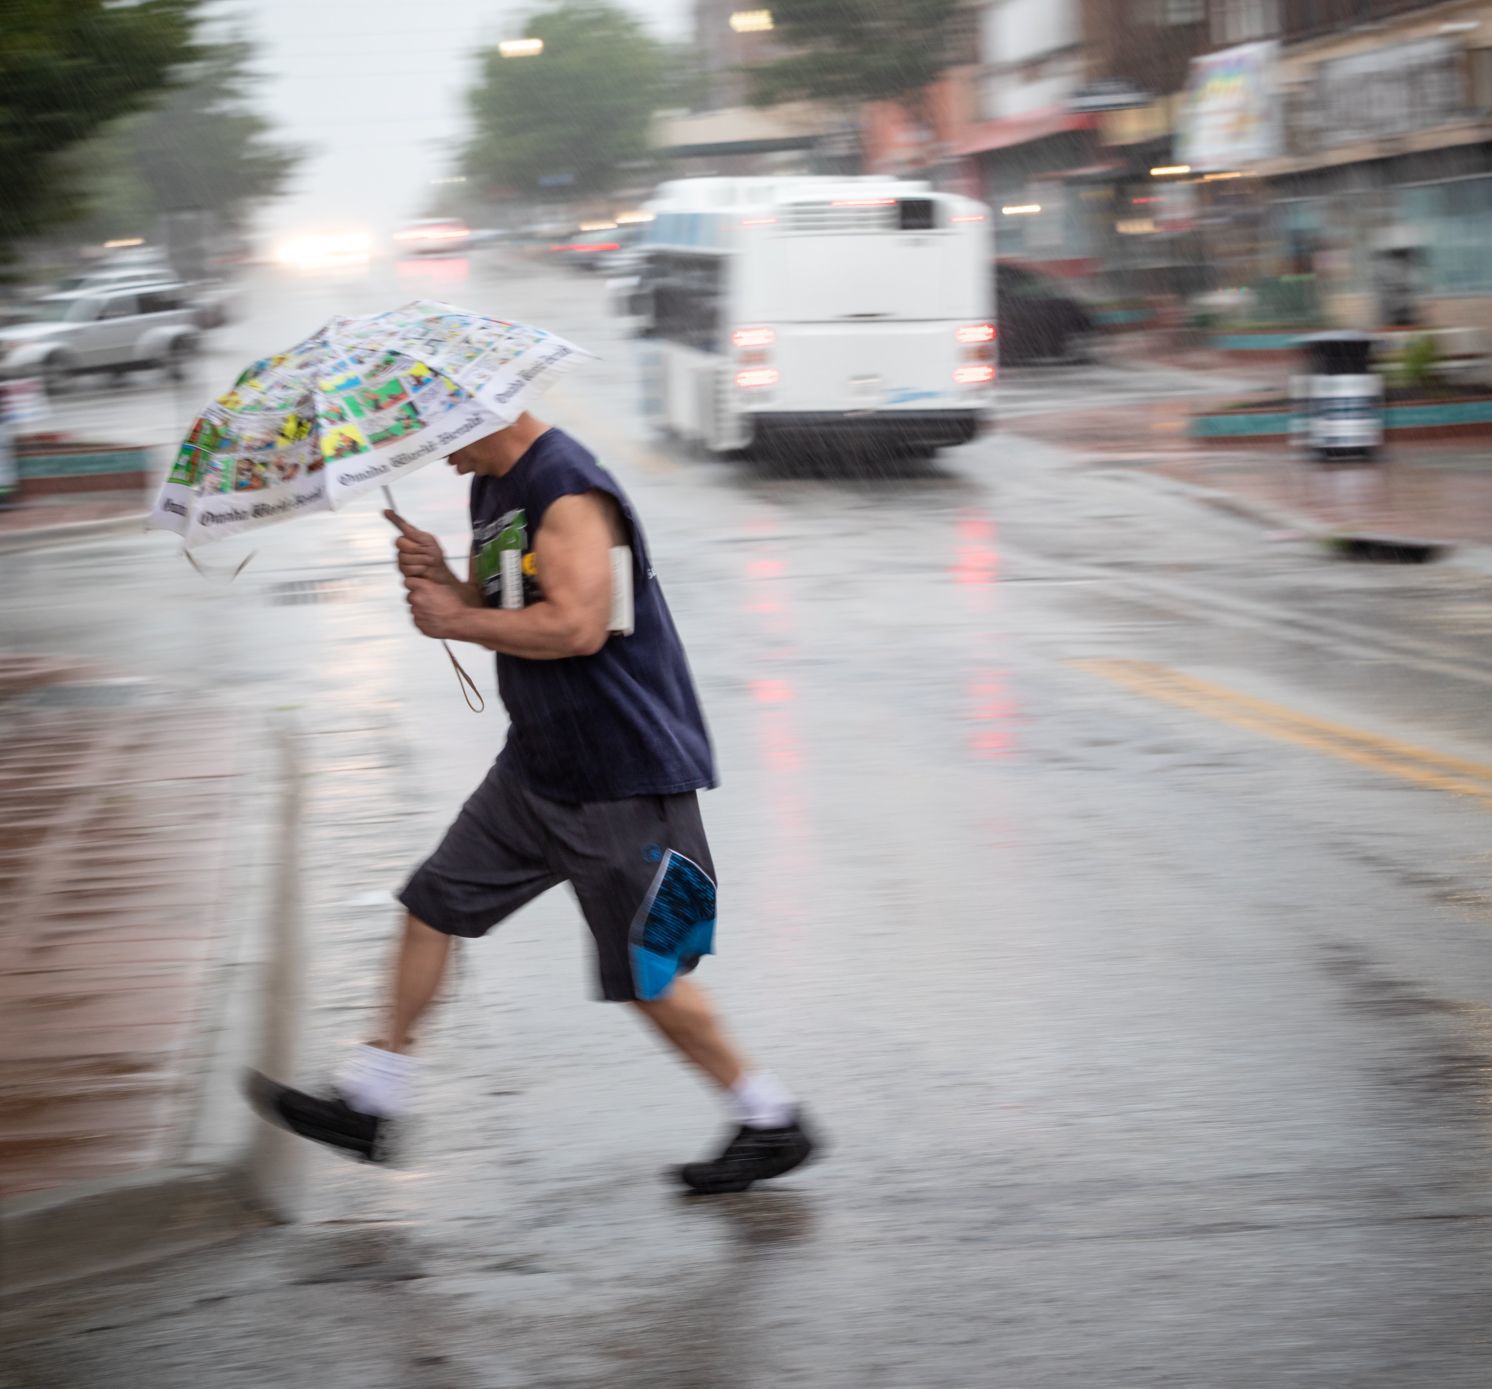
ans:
(817, 308)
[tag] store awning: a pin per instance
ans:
(741, 130)
(784, 146)
(1022, 130)
(1089, 172)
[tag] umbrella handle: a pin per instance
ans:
(464, 682)
(467, 684)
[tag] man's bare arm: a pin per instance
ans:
(572, 551)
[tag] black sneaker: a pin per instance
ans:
(331, 1121)
(752, 1155)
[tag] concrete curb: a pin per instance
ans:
(71, 532)
(232, 1171)
(1230, 504)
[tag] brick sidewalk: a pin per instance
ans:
(64, 511)
(1414, 490)
(115, 813)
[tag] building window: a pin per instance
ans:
(963, 36)
(1243, 21)
(1449, 222)
(1179, 12)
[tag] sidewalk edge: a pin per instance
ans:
(233, 1171)
(1231, 504)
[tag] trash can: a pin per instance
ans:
(1339, 397)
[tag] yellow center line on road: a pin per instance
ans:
(1407, 761)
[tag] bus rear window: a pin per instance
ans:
(917, 214)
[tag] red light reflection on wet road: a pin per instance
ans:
(779, 746)
(992, 709)
(436, 270)
(771, 691)
(976, 558)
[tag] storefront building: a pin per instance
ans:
(1343, 171)
(1143, 221)
(1383, 186)
(1030, 148)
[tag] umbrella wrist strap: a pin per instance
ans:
(468, 686)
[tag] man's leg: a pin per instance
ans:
(771, 1139)
(490, 863)
(687, 1020)
(643, 875)
(373, 1086)
(378, 1077)
(420, 965)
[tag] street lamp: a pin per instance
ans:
(521, 48)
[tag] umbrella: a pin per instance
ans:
(352, 408)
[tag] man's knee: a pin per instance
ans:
(682, 1005)
(419, 932)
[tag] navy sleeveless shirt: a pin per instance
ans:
(623, 722)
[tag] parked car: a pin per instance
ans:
(114, 330)
(588, 246)
(104, 277)
(213, 300)
(434, 236)
(1040, 319)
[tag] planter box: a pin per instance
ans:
(1443, 419)
(48, 465)
(1264, 346)
(1123, 320)
(1243, 427)
(1439, 419)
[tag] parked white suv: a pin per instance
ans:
(213, 301)
(125, 329)
(106, 277)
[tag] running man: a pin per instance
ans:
(595, 786)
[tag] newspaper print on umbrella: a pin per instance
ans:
(352, 408)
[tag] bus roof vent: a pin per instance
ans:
(841, 215)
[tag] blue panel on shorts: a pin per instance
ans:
(679, 926)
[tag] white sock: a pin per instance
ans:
(375, 1081)
(760, 1101)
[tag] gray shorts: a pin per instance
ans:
(640, 868)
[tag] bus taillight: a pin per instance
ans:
(754, 337)
(756, 378)
(975, 333)
(974, 376)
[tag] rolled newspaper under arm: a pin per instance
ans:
(621, 619)
(619, 624)
(511, 569)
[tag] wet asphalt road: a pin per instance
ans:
(1090, 861)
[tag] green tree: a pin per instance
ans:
(202, 147)
(67, 69)
(581, 108)
(845, 52)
